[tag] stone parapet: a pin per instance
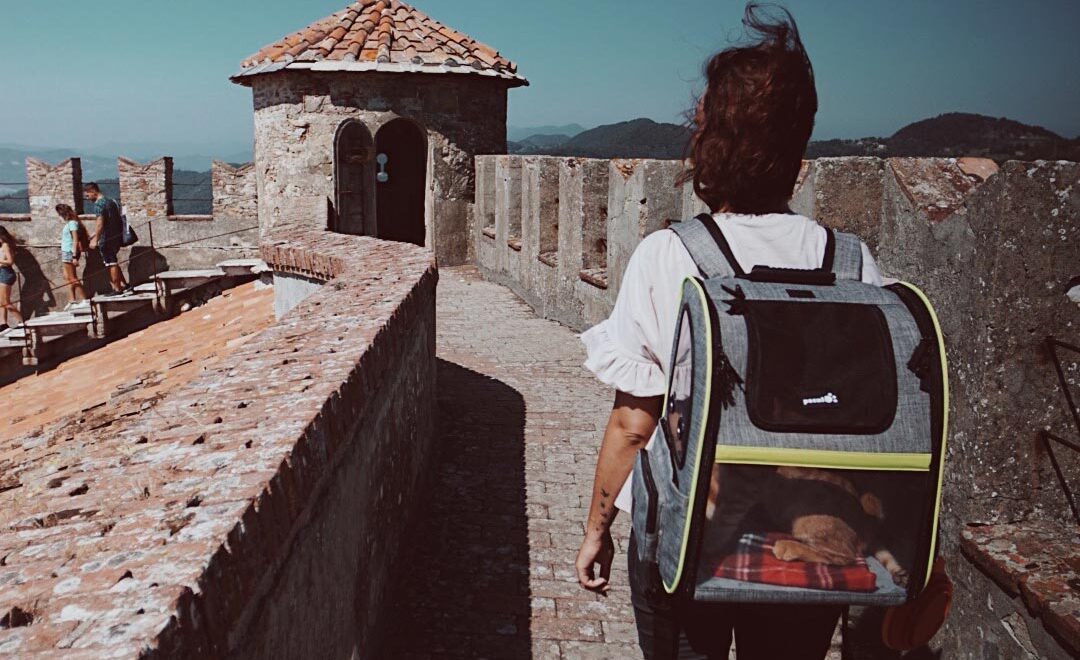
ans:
(559, 231)
(254, 511)
(1036, 567)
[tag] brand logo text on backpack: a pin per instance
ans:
(829, 399)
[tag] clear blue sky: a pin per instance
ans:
(130, 71)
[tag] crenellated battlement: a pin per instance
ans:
(146, 192)
(561, 230)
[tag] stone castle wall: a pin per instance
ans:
(994, 250)
(180, 242)
(274, 489)
(297, 116)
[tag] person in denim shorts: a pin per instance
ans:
(8, 278)
(71, 248)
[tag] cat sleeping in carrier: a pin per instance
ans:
(827, 519)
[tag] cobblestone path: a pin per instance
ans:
(491, 568)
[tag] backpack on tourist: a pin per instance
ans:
(799, 454)
(128, 237)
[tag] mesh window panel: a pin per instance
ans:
(785, 533)
(676, 422)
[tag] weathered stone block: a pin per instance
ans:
(235, 192)
(692, 205)
(643, 198)
(507, 208)
(937, 187)
(847, 195)
(49, 185)
(146, 190)
(484, 212)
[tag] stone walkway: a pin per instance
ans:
(493, 558)
(492, 562)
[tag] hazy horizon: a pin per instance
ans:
(145, 76)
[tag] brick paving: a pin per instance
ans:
(492, 562)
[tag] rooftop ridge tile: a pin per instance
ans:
(382, 32)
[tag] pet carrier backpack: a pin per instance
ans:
(798, 458)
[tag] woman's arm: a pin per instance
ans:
(76, 240)
(632, 422)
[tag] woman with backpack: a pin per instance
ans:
(751, 129)
(72, 246)
(8, 278)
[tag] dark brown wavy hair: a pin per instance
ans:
(7, 238)
(753, 122)
(66, 212)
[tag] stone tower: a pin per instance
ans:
(367, 122)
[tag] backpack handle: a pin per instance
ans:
(817, 277)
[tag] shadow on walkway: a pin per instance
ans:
(865, 635)
(465, 571)
(36, 296)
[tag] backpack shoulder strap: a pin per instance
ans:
(846, 258)
(707, 247)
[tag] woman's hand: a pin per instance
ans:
(596, 550)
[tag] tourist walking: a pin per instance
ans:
(108, 234)
(8, 311)
(71, 249)
(751, 128)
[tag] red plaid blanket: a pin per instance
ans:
(754, 561)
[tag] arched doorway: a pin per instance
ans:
(354, 176)
(401, 176)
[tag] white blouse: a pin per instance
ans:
(629, 351)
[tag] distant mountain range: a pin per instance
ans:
(519, 133)
(952, 134)
(959, 134)
(638, 138)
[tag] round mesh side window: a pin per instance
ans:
(676, 421)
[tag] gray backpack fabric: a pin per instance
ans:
(799, 454)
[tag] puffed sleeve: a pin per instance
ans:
(629, 350)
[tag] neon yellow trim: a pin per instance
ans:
(701, 437)
(944, 421)
(821, 458)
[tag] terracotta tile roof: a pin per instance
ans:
(380, 35)
(132, 371)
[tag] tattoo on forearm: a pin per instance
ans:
(606, 515)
